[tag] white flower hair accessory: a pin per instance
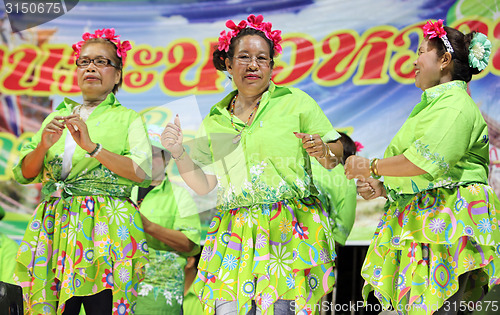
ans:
(479, 51)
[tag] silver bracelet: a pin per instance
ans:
(180, 156)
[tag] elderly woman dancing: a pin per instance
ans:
(85, 243)
(270, 247)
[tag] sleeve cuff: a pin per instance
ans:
(432, 165)
(330, 136)
(18, 175)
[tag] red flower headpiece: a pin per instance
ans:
(105, 33)
(432, 30)
(256, 22)
(358, 145)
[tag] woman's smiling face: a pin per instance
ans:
(427, 67)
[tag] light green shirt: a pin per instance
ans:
(8, 252)
(269, 163)
(172, 207)
(192, 304)
(338, 198)
(118, 129)
(446, 136)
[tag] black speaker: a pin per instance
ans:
(11, 299)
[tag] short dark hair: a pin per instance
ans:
(219, 57)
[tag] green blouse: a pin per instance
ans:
(8, 252)
(338, 198)
(118, 129)
(268, 164)
(446, 136)
(172, 207)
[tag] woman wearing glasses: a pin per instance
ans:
(85, 243)
(270, 246)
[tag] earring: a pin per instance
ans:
(441, 68)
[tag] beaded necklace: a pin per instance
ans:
(237, 138)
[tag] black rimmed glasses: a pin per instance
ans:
(246, 60)
(99, 62)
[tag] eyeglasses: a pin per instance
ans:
(99, 62)
(246, 60)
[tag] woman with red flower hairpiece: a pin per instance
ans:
(85, 243)
(438, 243)
(270, 247)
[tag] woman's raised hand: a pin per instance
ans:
(52, 132)
(78, 129)
(313, 144)
(171, 137)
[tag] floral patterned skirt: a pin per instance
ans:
(284, 250)
(80, 247)
(421, 247)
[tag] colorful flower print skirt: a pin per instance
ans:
(284, 250)
(421, 247)
(80, 247)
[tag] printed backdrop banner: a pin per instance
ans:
(355, 58)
